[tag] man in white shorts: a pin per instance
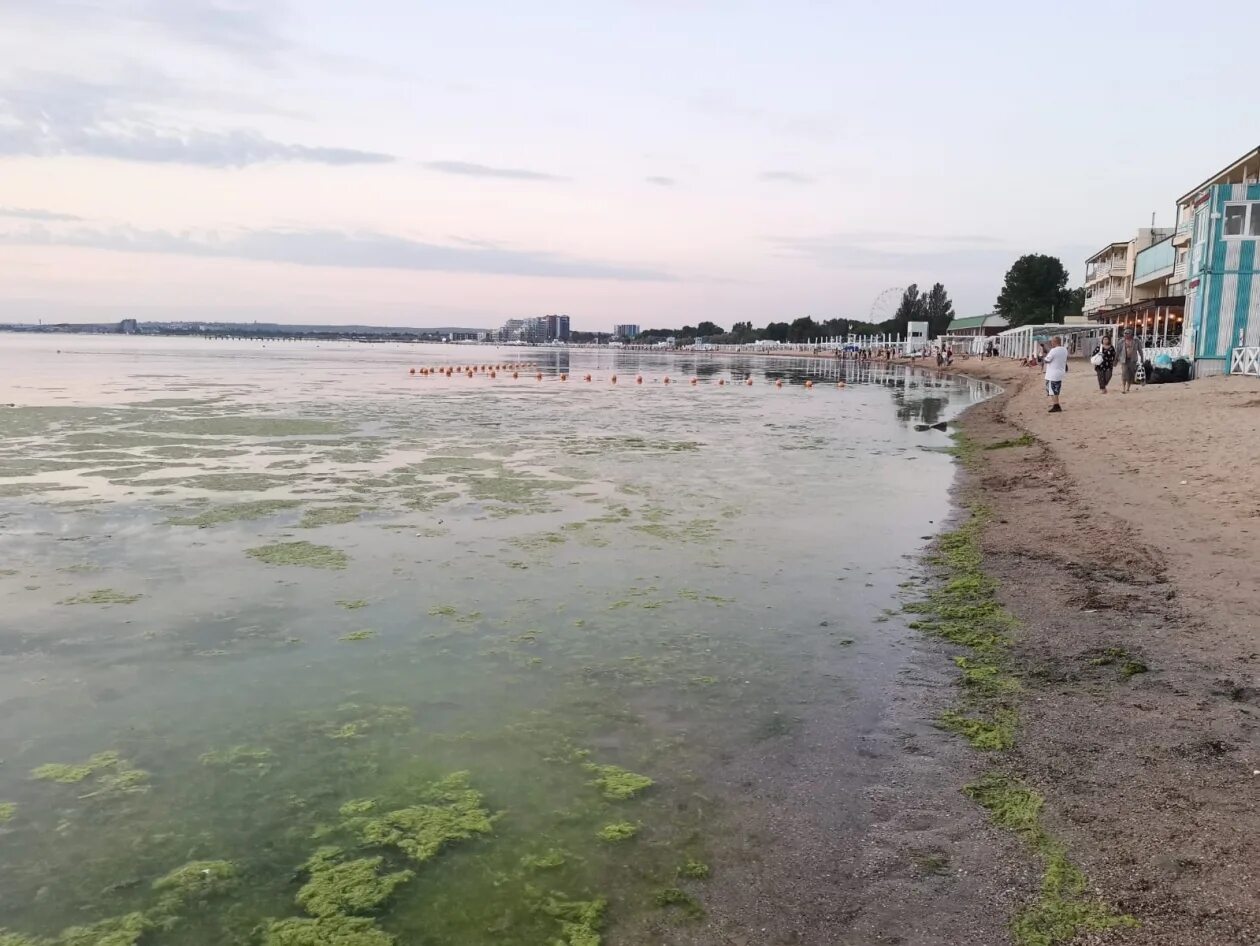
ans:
(1056, 371)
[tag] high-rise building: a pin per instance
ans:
(625, 331)
(538, 330)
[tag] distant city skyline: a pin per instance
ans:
(627, 163)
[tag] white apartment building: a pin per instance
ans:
(1109, 272)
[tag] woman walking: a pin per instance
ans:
(1129, 354)
(1104, 361)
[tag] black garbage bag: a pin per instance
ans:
(1181, 370)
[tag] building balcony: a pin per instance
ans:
(1108, 300)
(1105, 270)
(1154, 263)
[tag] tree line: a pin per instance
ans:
(1034, 292)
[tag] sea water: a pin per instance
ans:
(256, 598)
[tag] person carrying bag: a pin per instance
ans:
(1104, 362)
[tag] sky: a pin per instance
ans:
(652, 162)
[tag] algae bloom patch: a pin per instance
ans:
(300, 553)
(103, 596)
(326, 931)
(618, 831)
(450, 811)
(338, 887)
(618, 783)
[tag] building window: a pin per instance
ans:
(1242, 220)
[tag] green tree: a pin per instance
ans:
(803, 329)
(709, 329)
(913, 308)
(776, 331)
(939, 311)
(1035, 291)
(1075, 302)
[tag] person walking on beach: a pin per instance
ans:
(1129, 353)
(1055, 362)
(1104, 362)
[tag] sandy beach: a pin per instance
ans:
(1129, 526)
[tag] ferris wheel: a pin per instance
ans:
(886, 304)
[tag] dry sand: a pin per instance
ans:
(1133, 522)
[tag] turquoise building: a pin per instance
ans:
(1217, 245)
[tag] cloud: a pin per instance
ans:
(43, 115)
(872, 249)
(243, 28)
(787, 177)
(332, 248)
(482, 170)
(26, 213)
(662, 181)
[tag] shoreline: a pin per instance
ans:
(1132, 585)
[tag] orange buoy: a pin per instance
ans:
(515, 375)
(564, 377)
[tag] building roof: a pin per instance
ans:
(1219, 174)
(1106, 249)
(977, 321)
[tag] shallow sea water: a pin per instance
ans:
(275, 578)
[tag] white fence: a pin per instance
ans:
(1245, 361)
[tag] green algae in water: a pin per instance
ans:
(246, 425)
(103, 596)
(239, 759)
(673, 897)
(617, 783)
(443, 610)
(70, 774)
(195, 882)
(325, 931)
(339, 888)
(451, 811)
(7, 810)
(235, 512)
(580, 920)
(357, 806)
(116, 931)
(363, 635)
(617, 831)
(300, 553)
(330, 516)
(551, 860)
(233, 482)
(696, 870)
(352, 605)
